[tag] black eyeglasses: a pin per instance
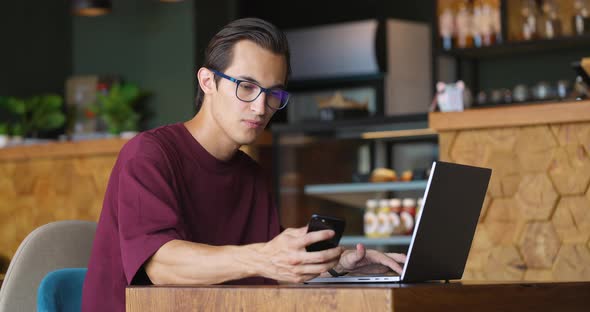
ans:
(248, 91)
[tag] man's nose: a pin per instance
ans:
(259, 105)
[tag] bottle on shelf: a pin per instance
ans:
(581, 18)
(483, 23)
(408, 215)
(464, 24)
(395, 205)
(496, 21)
(478, 23)
(551, 26)
(370, 219)
(384, 227)
(446, 23)
(530, 19)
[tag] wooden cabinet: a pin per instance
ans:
(535, 222)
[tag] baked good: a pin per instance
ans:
(383, 175)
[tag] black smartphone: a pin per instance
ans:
(318, 223)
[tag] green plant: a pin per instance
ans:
(3, 128)
(17, 130)
(117, 108)
(36, 113)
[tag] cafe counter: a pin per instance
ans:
(535, 222)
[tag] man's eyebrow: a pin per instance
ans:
(248, 78)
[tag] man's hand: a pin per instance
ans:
(370, 261)
(287, 260)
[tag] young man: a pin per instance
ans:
(185, 206)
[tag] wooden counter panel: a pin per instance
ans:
(384, 297)
(536, 223)
(259, 299)
(511, 116)
(50, 182)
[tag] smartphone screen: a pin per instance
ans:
(318, 223)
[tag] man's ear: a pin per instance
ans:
(206, 80)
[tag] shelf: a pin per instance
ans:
(365, 187)
(521, 47)
(389, 241)
(512, 116)
(363, 125)
(356, 194)
(330, 82)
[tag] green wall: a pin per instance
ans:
(35, 47)
(147, 43)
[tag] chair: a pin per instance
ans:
(61, 244)
(61, 291)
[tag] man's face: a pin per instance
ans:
(244, 121)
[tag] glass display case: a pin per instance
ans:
(328, 168)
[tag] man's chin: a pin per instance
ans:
(247, 139)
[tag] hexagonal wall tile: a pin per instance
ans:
(7, 190)
(481, 240)
(534, 139)
(473, 275)
(503, 164)
(23, 178)
(565, 133)
(82, 195)
(503, 210)
(504, 233)
(510, 184)
(583, 134)
(469, 148)
(445, 143)
(7, 168)
(572, 263)
(502, 139)
(533, 275)
(63, 181)
(539, 245)
(505, 264)
(571, 219)
(536, 197)
(534, 147)
(477, 260)
(570, 170)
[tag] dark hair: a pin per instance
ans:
(219, 53)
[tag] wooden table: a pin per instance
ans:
(454, 297)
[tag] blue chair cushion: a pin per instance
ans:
(61, 290)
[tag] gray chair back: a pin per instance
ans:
(56, 245)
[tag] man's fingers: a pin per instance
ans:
(322, 256)
(297, 231)
(359, 253)
(377, 257)
(398, 257)
(314, 237)
(307, 277)
(317, 268)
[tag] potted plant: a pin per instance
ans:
(36, 114)
(118, 109)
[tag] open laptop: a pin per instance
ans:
(444, 228)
